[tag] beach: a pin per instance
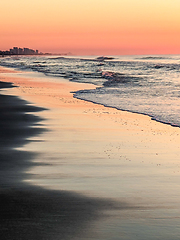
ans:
(72, 169)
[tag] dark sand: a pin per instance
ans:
(29, 212)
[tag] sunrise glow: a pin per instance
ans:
(92, 26)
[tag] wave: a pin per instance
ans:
(115, 78)
(56, 58)
(104, 58)
(130, 104)
(141, 86)
(154, 57)
(166, 66)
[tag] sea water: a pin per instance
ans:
(142, 84)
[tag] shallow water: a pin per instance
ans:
(142, 84)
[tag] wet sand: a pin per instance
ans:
(75, 170)
(31, 212)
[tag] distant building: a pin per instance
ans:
(15, 50)
(11, 51)
(26, 51)
(32, 51)
(21, 51)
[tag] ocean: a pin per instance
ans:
(147, 85)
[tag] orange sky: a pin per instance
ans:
(92, 26)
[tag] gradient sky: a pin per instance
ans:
(92, 26)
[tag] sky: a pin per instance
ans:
(92, 27)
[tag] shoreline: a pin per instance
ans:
(94, 165)
(123, 110)
(27, 211)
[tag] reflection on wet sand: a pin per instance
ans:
(83, 171)
(30, 212)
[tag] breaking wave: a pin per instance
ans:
(146, 84)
